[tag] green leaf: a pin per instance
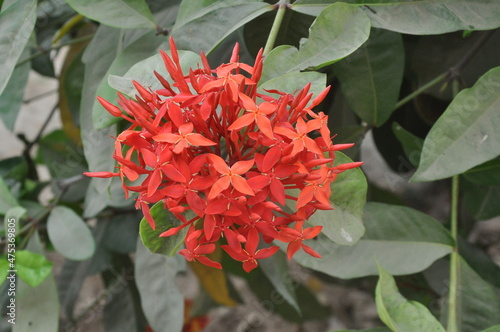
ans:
(401, 239)
(487, 174)
(122, 233)
(495, 328)
(32, 268)
(164, 221)
(481, 201)
(12, 217)
(336, 33)
(468, 128)
(419, 17)
(142, 72)
(371, 77)
(293, 82)
(277, 271)
(69, 234)
(204, 27)
(37, 308)
(7, 201)
(11, 98)
(161, 300)
(125, 14)
(344, 224)
(412, 145)
(16, 25)
(398, 313)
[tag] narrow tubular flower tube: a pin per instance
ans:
(208, 142)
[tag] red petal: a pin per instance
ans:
(154, 182)
(271, 158)
(250, 265)
(173, 173)
(278, 190)
(243, 121)
(258, 182)
(293, 247)
(241, 167)
(219, 164)
(252, 241)
(208, 262)
(266, 252)
(239, 256)
(100, 174)
(149, 157)
(167, 137)
(310, 251)
(199, 140)
(311, 232)
(305, 197)
(264, 125)
(219, 186)
(241, 185)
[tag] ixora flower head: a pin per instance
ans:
(211, 144)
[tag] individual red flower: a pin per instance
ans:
(209, 143)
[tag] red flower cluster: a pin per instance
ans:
(211, 144)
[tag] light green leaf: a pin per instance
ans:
(493, 329)
(37, 308)
(277, 271)
(337, 32)
(401, 239)
(203, 27)
(412, 145)
(142, 72)
(16, 25)
(12, 218)
(164, 220)
(419, 17)
(7, 201)
(69, 234)
(371, 77)
(11, 98)
(399, 314)
(344, 224)
(4, 269)
(125, 14)
(293, 82)
(161, 300)
(467, 134)
(32, 268)
(375, 329)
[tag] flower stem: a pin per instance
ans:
(282, 6)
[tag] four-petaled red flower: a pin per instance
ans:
(208, 142)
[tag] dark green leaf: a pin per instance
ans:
(122, 232)
(337, 32)
(467, 128)
(164, 220)
(69, 234)
(419, 17)
(401, 239)
(487, 174)
(277, 271)
(161, 300)
(32, 268)
(344, 224)
(495, 328)
(4, 269)
(412, 145)
(126, 14)
(37, 308)
(375, 329)
(398, 313)
(481, 201)
(371, 77)
(203, 27)
(16, 25)
(480, 262)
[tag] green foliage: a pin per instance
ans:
(420, 77)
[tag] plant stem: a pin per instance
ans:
(455, 258)
(454, 261)
(282, 6)
(43, 51)
(420, 90)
